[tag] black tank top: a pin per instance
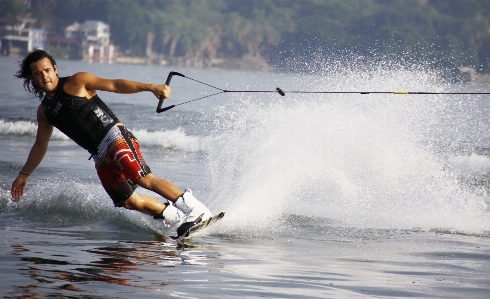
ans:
(85, 121)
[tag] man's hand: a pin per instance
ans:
(161, 90)
(18, 186)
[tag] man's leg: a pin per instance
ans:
(183, 201)
(133, 168)
(164, 188)
(171, 216)
(144, 204)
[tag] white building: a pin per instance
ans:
(20, 39)
(95, 39)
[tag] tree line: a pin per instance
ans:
(439, 32)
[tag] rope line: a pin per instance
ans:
(283, 93)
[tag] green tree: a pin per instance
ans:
(439, 32)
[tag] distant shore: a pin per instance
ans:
(244, 63)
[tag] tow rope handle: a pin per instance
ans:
(169, 78)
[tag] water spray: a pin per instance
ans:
(283, 93)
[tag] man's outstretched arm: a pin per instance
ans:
(83, 82)
(36, 155)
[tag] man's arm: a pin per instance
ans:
(85, 85)
(36, 155)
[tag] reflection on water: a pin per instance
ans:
(329, 262)
(132, 264)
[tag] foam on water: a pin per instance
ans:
(368, 161)
(26, 128)
(70, 204)
(176, 139)
(470, 166)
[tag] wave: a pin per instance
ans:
(173, 139)
(26, 128)
(72, 203)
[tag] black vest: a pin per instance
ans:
(85, 121)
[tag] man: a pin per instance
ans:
(72, 105)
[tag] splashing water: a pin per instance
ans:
(177, 139)
(26, 128)
(369, 161)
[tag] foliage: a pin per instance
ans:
(444, 33)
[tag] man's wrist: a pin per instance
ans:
(153, 88)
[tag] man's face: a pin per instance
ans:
(45, 75)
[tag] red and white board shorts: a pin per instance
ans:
(119, 164)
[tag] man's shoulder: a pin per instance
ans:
(78, 77)
(77, 83)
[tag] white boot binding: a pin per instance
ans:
(171, 216)
(194, 210)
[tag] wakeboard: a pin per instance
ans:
(199, 225)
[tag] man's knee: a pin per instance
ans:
(146, 181)
(131, 202)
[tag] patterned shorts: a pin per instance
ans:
(119, 164)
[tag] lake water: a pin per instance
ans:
(326, 195)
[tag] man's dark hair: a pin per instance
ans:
(25, 71)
